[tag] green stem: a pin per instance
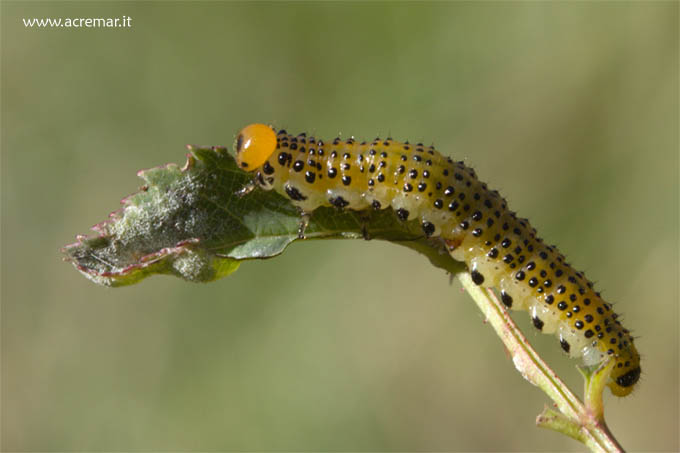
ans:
(581, 422)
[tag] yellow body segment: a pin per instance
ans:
(500, 249)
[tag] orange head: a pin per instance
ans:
(254, 144)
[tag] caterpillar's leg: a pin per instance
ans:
(451, 245)
(365, 233)
(364, 228)
(304, 221)
(245, 190)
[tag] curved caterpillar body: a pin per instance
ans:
(499, 248)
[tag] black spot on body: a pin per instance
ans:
(537, 322)
(294, 194)
(339, 202)
(428, 228)
(629, 378)
(565, 345)
(477, 277)
(506, 299)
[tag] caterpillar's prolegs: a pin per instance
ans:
(304, 223)
(364, 227)
(245, 190)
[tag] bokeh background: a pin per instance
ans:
(570, 109)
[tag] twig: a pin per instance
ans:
(584, 423)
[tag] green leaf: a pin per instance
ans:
(190, 222)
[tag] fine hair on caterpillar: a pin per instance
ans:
(500, 249)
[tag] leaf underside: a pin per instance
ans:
(190, 222)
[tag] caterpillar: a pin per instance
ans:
(500, 249)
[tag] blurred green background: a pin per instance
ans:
(569, 109)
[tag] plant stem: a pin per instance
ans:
(581, 422)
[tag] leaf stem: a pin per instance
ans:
(581, 422)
